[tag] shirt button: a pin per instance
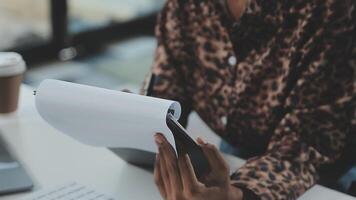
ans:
(224, 120)
(236, 24)
(232, 60)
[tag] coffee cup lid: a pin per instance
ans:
(11, 64)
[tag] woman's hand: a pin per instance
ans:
(176, 180)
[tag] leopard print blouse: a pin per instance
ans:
(278, 84)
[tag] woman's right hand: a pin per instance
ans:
(176, 179)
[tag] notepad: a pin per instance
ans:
(105, 118)
(71, 191)
(121, 121)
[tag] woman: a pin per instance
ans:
(275, 79)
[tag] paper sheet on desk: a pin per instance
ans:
(71, 191)
(102, 117)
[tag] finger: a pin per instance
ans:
(163, 171)
(215, 159)
(219, 168)
(169, 188)
(189, 179)
(158, 177)
(170, 163)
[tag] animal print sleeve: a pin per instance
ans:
(168, 66)
(319, 120)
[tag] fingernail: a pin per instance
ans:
(158, 139)
(201, 141)
(186, 157)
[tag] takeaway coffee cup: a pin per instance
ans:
(12, 68)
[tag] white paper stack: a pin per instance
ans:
(105, 118)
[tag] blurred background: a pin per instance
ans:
(106, 43)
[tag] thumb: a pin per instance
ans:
(219, 173)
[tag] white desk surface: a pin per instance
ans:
(54, 159)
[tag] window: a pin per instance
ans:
(24, 23)
(90, 14)
(46, 30)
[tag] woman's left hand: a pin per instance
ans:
(176, 180)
